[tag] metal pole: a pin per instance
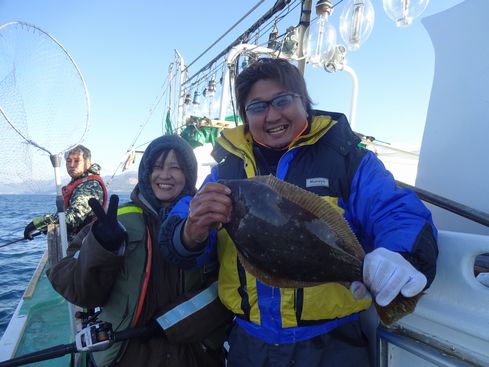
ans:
(56, 162)
(304, 24)
(354, 95)
(450, 205)
(179, 96)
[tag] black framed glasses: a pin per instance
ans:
(280, 102)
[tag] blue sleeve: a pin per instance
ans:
(181, 208)
(170, 240)
(382, 214)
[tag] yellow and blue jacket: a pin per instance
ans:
(325, 160)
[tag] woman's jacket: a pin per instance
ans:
(137, 287)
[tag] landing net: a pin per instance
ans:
(44, 107)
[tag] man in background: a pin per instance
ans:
(85, 183)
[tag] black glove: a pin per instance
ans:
(35, 228)
(29, 230)
(150, 331)
(106, 229)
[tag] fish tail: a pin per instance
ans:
(397, 309)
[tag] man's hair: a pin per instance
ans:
(279, 70)
(80, 149)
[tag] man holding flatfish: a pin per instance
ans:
(291, 267)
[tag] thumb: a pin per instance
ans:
(359, 290)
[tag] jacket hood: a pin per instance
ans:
(153, 152)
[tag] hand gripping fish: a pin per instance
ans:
(288, 237)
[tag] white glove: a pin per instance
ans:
(387, 273)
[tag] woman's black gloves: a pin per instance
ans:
(106, 229)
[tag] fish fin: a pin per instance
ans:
(397, 309)
(270, 280)
(319, 208)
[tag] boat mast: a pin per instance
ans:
(303, 25)
(179, 97)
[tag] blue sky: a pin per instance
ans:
(124, 49)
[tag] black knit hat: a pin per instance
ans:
(186, 157)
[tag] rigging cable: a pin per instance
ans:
(164, 87)
(279, 5)
(241, 37)
(226, 33)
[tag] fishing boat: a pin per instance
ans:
(449, 325)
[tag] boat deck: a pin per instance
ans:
(40, 321)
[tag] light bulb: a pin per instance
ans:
(356, 23)
(186, 107)
(273, 38)
(196, 104)
(215, 104)
(187, 99)
(196, 99)
(320, 37)
(211, 88)
(209, 98)
(404, 11)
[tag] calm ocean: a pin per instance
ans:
(19, 260)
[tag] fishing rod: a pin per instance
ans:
(95, 337)
(20, 239)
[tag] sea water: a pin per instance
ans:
(18, 261)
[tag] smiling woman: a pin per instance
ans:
(168, 170)
(168, 177)
(154, 293)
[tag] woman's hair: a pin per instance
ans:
(279, 70)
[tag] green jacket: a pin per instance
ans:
(136, 288)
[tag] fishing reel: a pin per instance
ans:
(96, 336)
(89, 316)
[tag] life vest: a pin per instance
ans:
(67, 190)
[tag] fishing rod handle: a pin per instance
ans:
(49, 353)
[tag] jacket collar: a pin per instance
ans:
(239, 142)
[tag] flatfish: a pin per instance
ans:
(288, 237)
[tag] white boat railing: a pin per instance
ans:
(450, 324)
